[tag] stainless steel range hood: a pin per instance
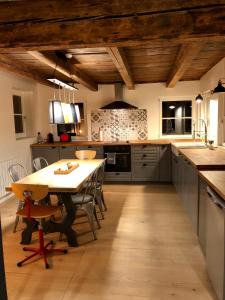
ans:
(119, 103)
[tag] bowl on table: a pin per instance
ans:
(85, 154)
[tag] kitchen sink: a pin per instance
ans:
(187, 145)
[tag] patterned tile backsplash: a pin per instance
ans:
(119, 124)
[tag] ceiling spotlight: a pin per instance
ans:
(69, 55)
(171, 107)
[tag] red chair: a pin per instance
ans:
(30, 193)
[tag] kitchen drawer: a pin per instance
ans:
(144, 148)
(51, 153)
(98, 149)
(145, 172)
(117, 176)
(66, 152)
(145, 157)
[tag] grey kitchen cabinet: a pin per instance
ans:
(165, 163)
(50, 153)
(117, 176)
(203, 196)
(215, 237)
(190, 175)
(67, 152)
(186, 182)
(98, 149)
(175, 171)
(145, 163)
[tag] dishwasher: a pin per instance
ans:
(215, 210)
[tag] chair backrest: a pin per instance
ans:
(85, 154)
(16, 172)
(100, 172)
(39, 163)
(36, 192)
(90, 185)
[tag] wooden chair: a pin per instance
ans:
(16, 172)
(30, 193)
(39, 163)
(85, 154)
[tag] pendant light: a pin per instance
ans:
(72, 105)
(55, 111)
(67, 111)
(77, 113)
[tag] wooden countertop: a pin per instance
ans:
(216, 180)
(205, 159)
(95, 143)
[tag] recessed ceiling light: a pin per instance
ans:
(171, 107)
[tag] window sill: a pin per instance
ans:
(174, 137)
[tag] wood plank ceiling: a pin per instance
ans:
(115, 41)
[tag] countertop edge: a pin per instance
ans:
(96, 143)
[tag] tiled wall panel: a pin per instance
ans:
(119, 124)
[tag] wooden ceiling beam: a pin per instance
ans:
(186, 54)
(21, 69)
(72, 72)
(48, 25)
(120, 61)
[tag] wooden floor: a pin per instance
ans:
(146, 250)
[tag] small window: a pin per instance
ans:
(18, 116)
(176, 117)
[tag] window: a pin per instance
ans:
(176, 117)
(18, 116)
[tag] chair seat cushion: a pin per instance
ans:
(81, 199)
(39, 211)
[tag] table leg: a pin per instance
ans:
(49, 226)
(66, 226)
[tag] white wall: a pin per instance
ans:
(9, 146)
(144, 96)
(208, 82)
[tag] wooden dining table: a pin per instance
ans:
(62, 185)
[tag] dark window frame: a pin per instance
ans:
(182, 118)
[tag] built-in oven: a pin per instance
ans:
(118, 158)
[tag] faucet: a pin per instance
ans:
(200, 131)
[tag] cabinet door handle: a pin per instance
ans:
(144, 146)
(144, 155)
(53, 147)
(144, 165)
(215, 199)
(187, 161)
(89, 147)
(117, 173)
(63, 147)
